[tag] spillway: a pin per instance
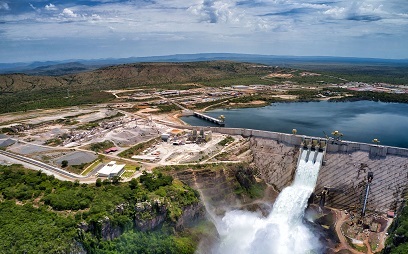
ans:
(283, 231)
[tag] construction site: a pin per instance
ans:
(84, 140)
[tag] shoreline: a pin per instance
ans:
(334, 99)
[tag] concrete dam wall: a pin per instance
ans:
(344, 171)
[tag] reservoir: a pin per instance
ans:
(360, 121)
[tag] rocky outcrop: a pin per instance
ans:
(148, 216)
(216, 186)
(191, 215)
(77, 248)
(109, 231)
(103, 228)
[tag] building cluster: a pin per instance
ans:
(103, 127)
(183, 139)
(179, 137)
(201, 95)
(376, 87)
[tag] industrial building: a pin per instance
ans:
(111, 169)
(110, 150)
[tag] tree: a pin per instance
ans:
(98, 182)
(133, 184)
(64, 163)
(115, 180)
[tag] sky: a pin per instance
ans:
(38, 30)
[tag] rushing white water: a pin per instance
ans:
(283, 231)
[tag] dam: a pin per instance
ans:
(343, 172)
(283, 231)
(358, 183)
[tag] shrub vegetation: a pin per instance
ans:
(40, 214)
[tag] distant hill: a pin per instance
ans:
(127, 75)
(42, 69)
(78, 83)
(59, 68)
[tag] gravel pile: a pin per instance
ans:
(28, 149)
(77, 158)
(7, 142)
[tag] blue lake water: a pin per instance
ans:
(360, 121)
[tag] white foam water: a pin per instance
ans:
(283, 231)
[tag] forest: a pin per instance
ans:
(397, 242)
(50, 98)
(40, 214)
(374, 96)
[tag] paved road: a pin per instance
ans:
(10, 160)
(96, 169)
(62, 174)
(41, 165)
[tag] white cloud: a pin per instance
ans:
(51, 7)
(68, 13)
(214, 11)
(95, 17)
(367, 10)
(4, 6)
(262, 26)
(33, 7)
(336, 12)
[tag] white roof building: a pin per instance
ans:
(112, 169)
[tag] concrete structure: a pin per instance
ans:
(207, 136)
(111, 169)
(165, 137)
(240, 87)
(345, 175)
(187, 112)
(344, 170)
(296, 140)
(209, 118)
(146, 157)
